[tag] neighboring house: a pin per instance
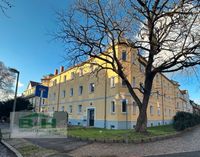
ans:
(196, 107)
(104, 101)
(188, 106)
(30, 93)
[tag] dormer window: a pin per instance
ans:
(124, 56)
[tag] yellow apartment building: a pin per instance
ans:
(104, 101)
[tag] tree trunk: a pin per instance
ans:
(141, 125)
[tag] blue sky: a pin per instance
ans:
(26, 45)
(24, 40)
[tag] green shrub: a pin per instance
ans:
(183, 120)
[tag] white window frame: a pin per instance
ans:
(80, 106)
(113, 102)
(122, 105)
(72, 75)
(63, 93)
(80, 72)
(124, 52)
(63, 108)
(91, 86)
(112, 82)
(80, 92)
(151, 108)
(70, 109)
(71, 92)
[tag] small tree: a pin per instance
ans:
(165, 33)
(7, 106)
(6, 81)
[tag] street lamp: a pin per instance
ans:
(15, 98)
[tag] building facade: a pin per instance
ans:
(104, 101)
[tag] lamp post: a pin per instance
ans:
(15, 98)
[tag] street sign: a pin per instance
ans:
(41, 89)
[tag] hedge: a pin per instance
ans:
(183, 120)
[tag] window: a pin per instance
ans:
(142, 68)
(134, 108)
(112, 106)
(63, 108)
(54, 96)
(124, 57)
(53, 109)
(54, 82)
(91, 87)
(169, 112)
(80, 72)
(112, 82)
(141, 86)
(80, 90)
(177, 105)
(91, 68)
(70, 109)
(63, 93)
(65, 78)
(158, 112)
(79, 108)
(124, 105)
(72, 75)
(123, 83)
(43, 101)
(133, 82)
(133, 58)
(151, 110)
(71, 91)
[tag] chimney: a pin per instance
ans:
(56, 72)
(61, 69)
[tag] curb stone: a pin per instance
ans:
(15, 151)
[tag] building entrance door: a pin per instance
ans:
(91, 117)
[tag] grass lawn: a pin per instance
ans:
(97, 133)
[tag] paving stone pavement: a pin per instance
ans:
(4, 152)
(187, 142)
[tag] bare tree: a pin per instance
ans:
(4, 6)
(165, 32)
(6, 81)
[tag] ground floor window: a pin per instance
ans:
(124, 105)
(134, 108)
(79, 108)
(112, 106)
(63, 108)
(70, 109)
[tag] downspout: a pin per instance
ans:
(163, 115)
(105, 101)
(58, 93)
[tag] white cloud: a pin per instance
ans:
(20, 84)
